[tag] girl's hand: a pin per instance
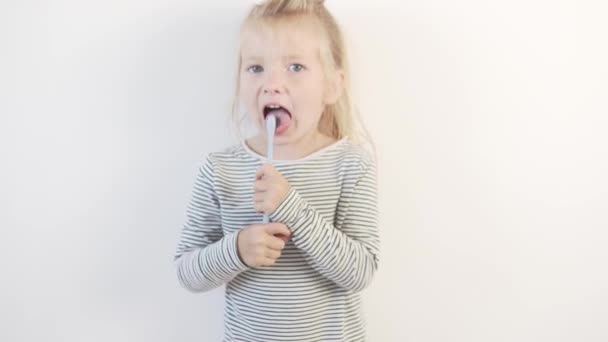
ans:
(257, 245)
(270, 187)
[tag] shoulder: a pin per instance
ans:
(357, 157)
(226, 153)
(358, 170)
(231, 156)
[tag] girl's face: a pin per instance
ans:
(282, 67)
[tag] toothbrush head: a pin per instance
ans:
(271, 125)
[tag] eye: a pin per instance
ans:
(296, 67)
(255, 69)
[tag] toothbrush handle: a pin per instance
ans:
(270, 128)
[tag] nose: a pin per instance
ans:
(273, 83)
(271, 90)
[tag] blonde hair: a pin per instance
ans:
(341, 118)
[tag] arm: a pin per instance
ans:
(205, 258)
(349, 255)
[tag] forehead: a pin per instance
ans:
(280, 38)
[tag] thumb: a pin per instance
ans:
(277, 228)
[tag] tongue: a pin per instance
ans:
(283, 119)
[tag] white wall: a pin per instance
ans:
(490, 119)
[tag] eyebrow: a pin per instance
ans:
(296, 56)
(252, 58)
(259, 58)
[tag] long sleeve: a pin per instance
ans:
(205, 257)
(347, 256)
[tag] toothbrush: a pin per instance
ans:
(271, 126)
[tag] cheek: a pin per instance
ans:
(247, 94)
(316, 102)
(244, 88)
(312, 94)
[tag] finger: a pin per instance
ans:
(265, 170)
(267, 261)
(262, 207)
(275, 243)
(277, 228)
(260, 186)
(283, 237)
(260, 172)
(272, 253)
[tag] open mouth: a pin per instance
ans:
(274, 108)
(282, 115)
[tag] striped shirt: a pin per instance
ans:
(312, 291)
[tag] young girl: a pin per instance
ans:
(297, 278)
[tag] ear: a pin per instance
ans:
(335, 87)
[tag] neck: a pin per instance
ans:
(294, 149)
